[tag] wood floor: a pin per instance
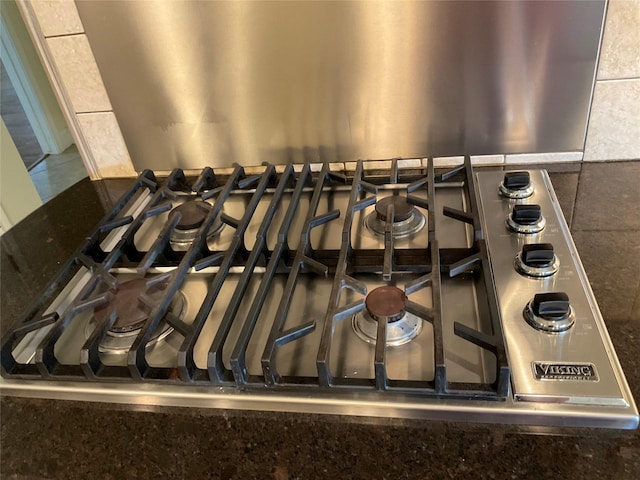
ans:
(55, 173)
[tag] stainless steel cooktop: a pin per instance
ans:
(386, 290)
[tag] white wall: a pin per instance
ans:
(18, 196)
(31, 83)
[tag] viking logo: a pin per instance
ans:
(565, 371)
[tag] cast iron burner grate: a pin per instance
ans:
(167, 267)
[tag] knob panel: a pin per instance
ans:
(531, 341)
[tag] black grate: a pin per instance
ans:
(343, 265)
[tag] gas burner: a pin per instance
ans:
(194, 213)
(132, 314)
(387, 304)
(407, 219)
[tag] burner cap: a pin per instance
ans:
(193, 214)
(402, 209)
(386, 303)
(407, 219)
(125, 302)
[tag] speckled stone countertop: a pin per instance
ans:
(64, 439)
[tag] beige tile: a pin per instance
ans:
(447, 161)
(544, 157)
(336, 167)
(376, 164)
(255, 169)
(620, 52)
(614, 124)
(410, 163)
(487, 159)
(79, 72)
(57, 17)
(475, 160)
(110, 154)
(350, 166)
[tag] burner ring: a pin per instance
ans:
(194, 213)
(407, 218)
(399, 332)
(125, 301)
(118, 340)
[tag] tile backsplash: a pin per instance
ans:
(620, 51)
(79, 73)
(64, 49)
(614, 123)
(57, 17)
(613, 131)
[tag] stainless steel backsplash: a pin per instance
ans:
(212, 83)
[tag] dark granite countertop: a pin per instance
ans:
(64, 439)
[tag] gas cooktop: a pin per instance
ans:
(388, 289)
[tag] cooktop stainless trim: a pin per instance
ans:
(355, 404)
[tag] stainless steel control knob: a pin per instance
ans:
(516, 185)
(550, 312)
(526, 218)
(537, 260)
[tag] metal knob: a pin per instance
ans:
(537, 260)
(550, 312)
(526, 218)
(516, 185)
